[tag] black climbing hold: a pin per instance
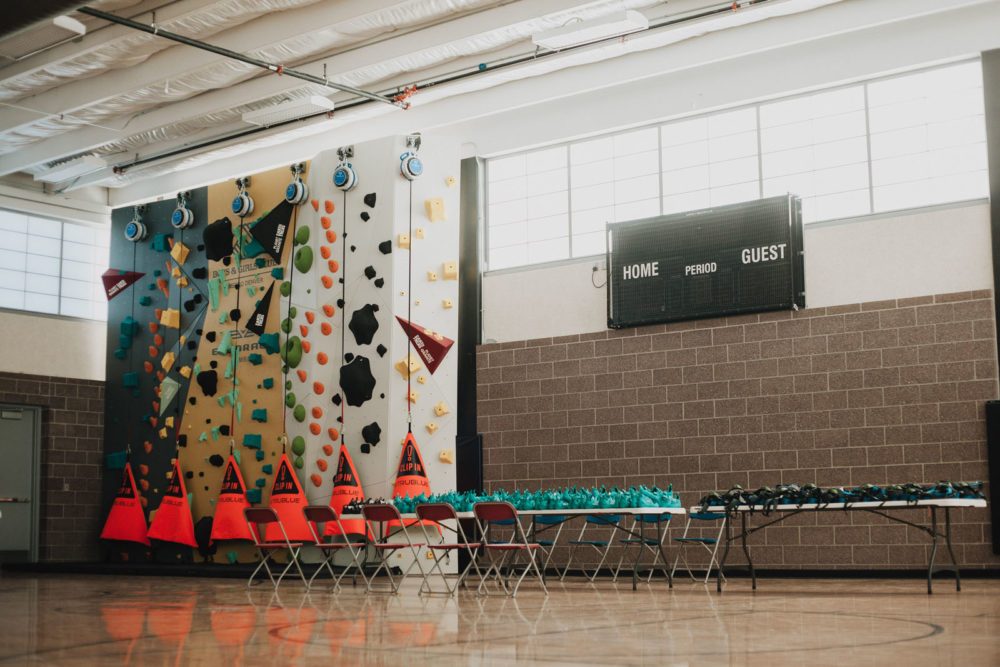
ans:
(192, 345)
(198, 299)
(213, 364)
(385, 247)
(365, 216)
(340, 303)
(381, 349)
(201, 474)
(234, 314)
(189, 305)
(218, 238)
(353, 248)
(192, 400)
(226, 261)
(216, 460)
(370, 200)
(372, 433)
(379, 282)
(348, 357)
(366, 448)
(336, 399)
(210, 336)
(224, 429)
(381, 395)
(201, 247)
(199, 332)
(364, 324)
(203, 538)
(357, 381)
(182, 440)
(369, 272)
(209, 382)
(201, 272)
(189, 474)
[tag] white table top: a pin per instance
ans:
(866, 504)
(631, 511)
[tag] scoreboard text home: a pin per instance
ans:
(741, 258)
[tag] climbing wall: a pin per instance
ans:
(298, 354)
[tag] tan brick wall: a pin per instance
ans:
(881, 392)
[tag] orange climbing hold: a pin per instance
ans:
(325, 328)
(316, 479)
(155, 326)
(328, 449)
(325, 252)
(157, 339)
(318, 388)
(148, 446)
(333, 433)
(321, 464)
(153, 351)
(152, 422)
(147, 366)
(156, 406)
(159, 377)
(325, 221)
(334, 266)
(310, 316)
(317, 413)
(321, 358)
(143, 468)
(302, 375)
(328, 310)
(327, 281)
(331, 236)
(304, 330)
(315, 203)
(159, 314)
(144, 484)
(306, 346)
(329, 206)
(315, 428)
(163, 286)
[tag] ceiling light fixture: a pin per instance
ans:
(79, 166)
(288, 110)
(69, 23)
(591, 30)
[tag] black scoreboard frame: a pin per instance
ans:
(713, 243)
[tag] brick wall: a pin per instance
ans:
(72, 461)
(883, 392)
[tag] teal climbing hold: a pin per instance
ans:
(203, 437)
(226, 343)
(253, 496)
(259, 454)
(119, 354)
(129, 327)
(259, 415)
(268, 383)
(260, 262)
(270, 343)
(145, 301)
(237, 456)
(255, 359)
(251, 440)
(232, 556)
(215, 433)
(130, 380)
(260, 482)
(117, 460)
(161, 243)
(157, 272)
(251, 290)
(278, 273)
(266, 469)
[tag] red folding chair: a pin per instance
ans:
(262, 516)
(316, 517)
(381, 515)
(492, 513)
(439, 513)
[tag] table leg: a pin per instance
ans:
(725, 553)
(934, 547)
(951, 552)
(746, 551)
(659, 545)
(638, 556)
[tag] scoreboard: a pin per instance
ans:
(740, 258)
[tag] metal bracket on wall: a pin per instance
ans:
(298, 168)
(345, 152)
(413, 142)
(243, 183)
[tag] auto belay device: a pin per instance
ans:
(182, 217)
(296, 192)
(344, 177)
(242, 203)
(135, 230)
(410, 165)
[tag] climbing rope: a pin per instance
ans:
(409, 320)
(343, 306)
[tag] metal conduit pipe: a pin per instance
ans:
(457, 76)
(218, 50)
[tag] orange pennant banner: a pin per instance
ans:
(172, 522)
(288, 500)
(126, 520)
(229, 522)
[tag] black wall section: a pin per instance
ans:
(130, 414)
(467, 446)
(991, 96)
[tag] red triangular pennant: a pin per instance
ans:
(229, 522)
(172, 522)
(116, 280)
(287, 499)
(430, 346)
(126, 520)
(346, 487)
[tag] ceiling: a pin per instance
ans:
(147, 106)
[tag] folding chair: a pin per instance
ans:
(647, 543)
(600, 546)
(262, 516)
(438, 513)
(382, 514)
(710, 544)
(316, 516)
(541, 523)
(488, 513)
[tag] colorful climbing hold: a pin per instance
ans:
(321, 358)
(325, 221)
(328, 310)
(315, 428)
(328, 205)
(327, 281)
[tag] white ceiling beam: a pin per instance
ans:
(98, 39)
(789, 54)
(89, 138)
(180, 60)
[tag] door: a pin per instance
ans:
(20, 452)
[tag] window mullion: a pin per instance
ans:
(868, 149)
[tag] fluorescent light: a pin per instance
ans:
(591, 30)
(288, 110)
(71, 169)
(71, 24)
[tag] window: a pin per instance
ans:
(50, 266)
(900, 142)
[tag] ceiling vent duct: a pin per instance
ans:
(288, 110)
(591, 30)
(64, 171)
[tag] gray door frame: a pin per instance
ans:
(36, 466)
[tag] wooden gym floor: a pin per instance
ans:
(93, 619)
